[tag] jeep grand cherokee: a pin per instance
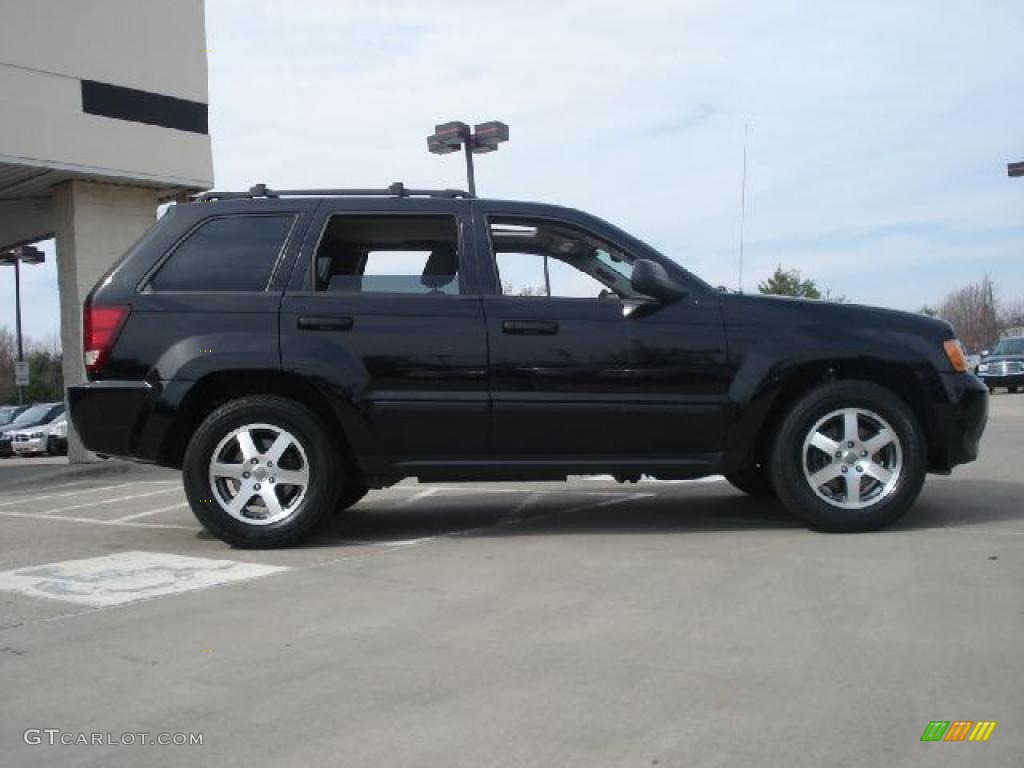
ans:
(291, 350)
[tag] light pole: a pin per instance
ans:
(29, 255)
(450, 137)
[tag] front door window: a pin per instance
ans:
(546, 258)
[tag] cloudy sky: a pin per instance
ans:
(879, 132)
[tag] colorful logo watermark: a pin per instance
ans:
(958, 730)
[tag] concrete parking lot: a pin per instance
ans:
(581, 624)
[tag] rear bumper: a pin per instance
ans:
(109, 416)
(957, 423)
(126, 419)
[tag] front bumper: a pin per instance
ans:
(1008, 380)
(957, 422)
(32, 445)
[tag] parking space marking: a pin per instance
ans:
(539, 492)
(95, 521)
(425, 494)
(84, 490)
(607, 503)
(16, 492)
(127, 577)
(98, 502)
(149, 512)
(515, 515)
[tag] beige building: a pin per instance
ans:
(104, 115)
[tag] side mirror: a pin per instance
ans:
(651, 279)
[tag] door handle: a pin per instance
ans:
(325, 323)
(530, 327)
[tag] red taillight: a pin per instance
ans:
(100, 326)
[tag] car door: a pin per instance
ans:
(383, 315)
(605, 371)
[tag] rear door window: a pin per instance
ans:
(230, 253)
(394, 253)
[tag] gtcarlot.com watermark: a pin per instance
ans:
(55, 736)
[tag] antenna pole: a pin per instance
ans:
(743, 203)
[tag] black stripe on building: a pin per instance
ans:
(122, 103)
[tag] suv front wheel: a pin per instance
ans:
(850, 456)
(261, 471)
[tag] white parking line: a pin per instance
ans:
(98, 502)
(94, 521)
(84, 490)
(607, 503)
(515, 515)
(149, 512)
(16, 492)
(648, 479)
(540, 492)
(417, 497)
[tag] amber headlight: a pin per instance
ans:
(955, 353)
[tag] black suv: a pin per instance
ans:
(291, 350)
(1004, 365)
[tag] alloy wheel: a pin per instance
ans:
(852, 458)
(259, 474)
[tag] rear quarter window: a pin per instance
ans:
(231, 253)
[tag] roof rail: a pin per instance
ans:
(398, 189)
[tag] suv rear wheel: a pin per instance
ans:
(261, 471)
(850, 456)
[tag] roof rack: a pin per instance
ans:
(398, 189)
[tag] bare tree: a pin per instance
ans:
(1011, 317)
(971, 310)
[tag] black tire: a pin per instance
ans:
(754, 481)
(325, 471)
(351, 494)
(787, 460)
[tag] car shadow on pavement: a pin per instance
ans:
(503, 516)
(946, 503)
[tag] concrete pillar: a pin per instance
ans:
(94, 225)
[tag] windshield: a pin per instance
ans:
(6, 416)
(34, 416)
(1009, 347)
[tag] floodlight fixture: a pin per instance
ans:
(453, 136)
(26, 254)
(487, 136)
